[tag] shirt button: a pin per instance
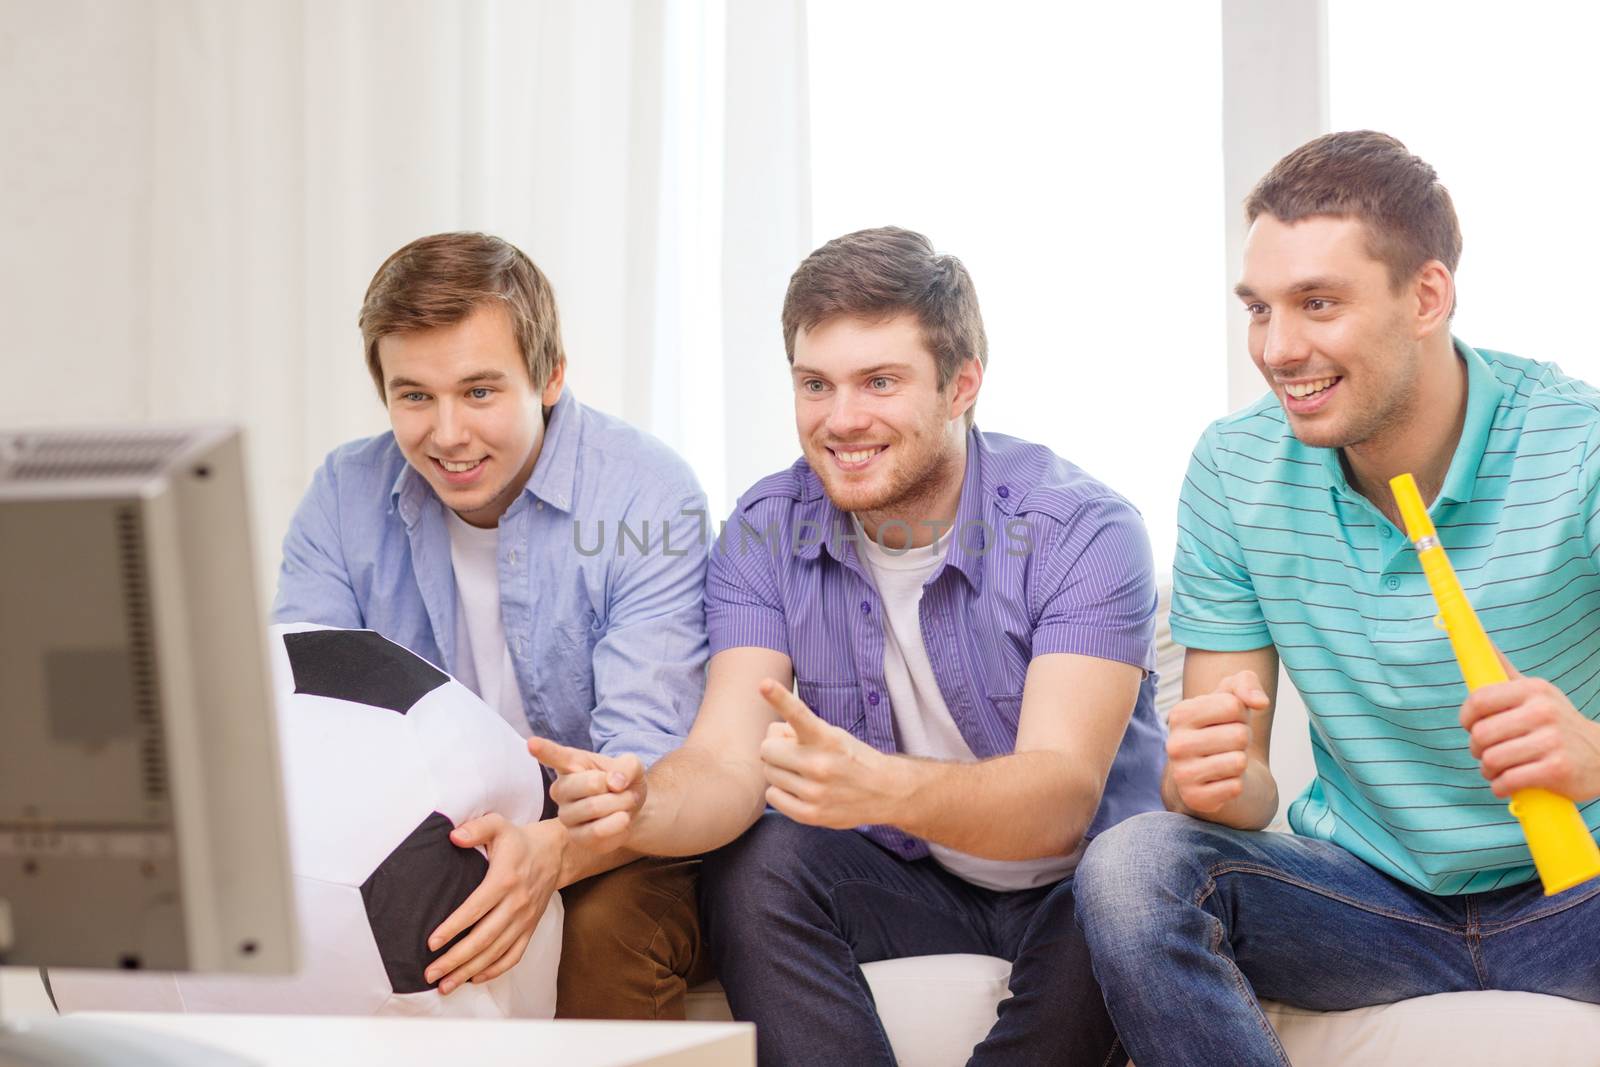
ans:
(1002, 491)
(512, 556)
(1391, 583)
(1387, 531)
(538, 505)
(873, 698)
(908, 846)
(866, 608)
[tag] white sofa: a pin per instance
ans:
(936, 1008)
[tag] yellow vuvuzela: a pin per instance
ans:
(1563, 849)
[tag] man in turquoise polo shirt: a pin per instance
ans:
(1406, 874)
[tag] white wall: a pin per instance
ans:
(76, 173)
(1507, 141)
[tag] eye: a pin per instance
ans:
(1317, 303)
(481, 392)
(413, 398)
(880, 382)
(1256, 310)
(812, 385)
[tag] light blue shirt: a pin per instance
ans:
(1276, 548)
(602, 561)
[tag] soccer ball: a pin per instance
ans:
(383, 755)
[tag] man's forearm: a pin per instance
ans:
(697, 801)
(1252, 809)
(1023, 806)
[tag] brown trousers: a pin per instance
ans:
(631, 945)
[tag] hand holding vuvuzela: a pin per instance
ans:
(1529, 739)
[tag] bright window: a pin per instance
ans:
(1502, 104)
(1071, 157)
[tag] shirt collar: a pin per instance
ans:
(554, 478)
(971, 535)
(1484, 393)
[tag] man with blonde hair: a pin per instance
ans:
(457, 535)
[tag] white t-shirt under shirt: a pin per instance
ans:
(922, 721)
(483, 660)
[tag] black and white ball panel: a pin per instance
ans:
(417, 887)
(359, 666)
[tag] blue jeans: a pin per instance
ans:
(791, 912)
(1190, 922)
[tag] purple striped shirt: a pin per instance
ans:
(1042, 559)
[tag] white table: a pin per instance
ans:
(285, 1040)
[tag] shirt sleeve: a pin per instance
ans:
(1214, 604)
(313, 582)
(649, 665)
(1097, 586)
(743, 605)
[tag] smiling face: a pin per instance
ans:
(873, 422)
(464, 411)
(1337, 344)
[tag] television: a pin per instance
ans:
(141, 811)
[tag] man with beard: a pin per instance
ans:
(968, 620)
(1406, 874)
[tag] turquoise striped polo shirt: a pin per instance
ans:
(1275, 547)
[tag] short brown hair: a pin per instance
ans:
(881, 272)
(440, 280)
(1370, 176)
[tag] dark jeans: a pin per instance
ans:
(1190, 922)
(791, 912)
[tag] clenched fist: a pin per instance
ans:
(1208, 738)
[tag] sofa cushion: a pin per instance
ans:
(936, 1008)
(1478, 1029)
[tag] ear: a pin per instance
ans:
(964, 387)
(1435, 292)
(553, 387)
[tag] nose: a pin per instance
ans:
(1283, 345)
(450, 428)
(848, 415)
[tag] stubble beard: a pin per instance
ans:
(918, 479)
(1374, 419)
